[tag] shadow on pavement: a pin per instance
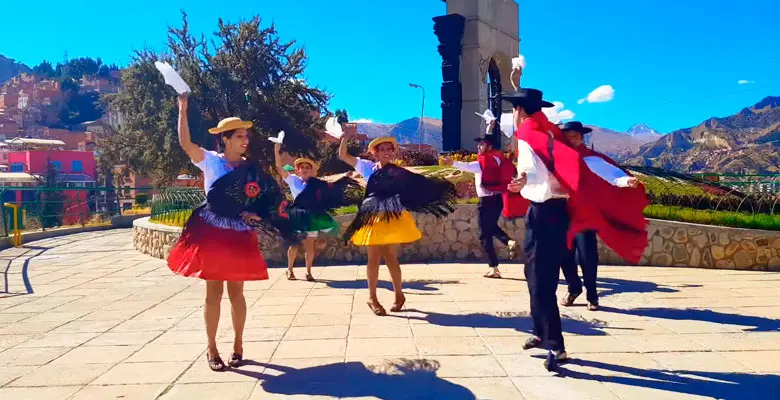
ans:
(721, 385)
(519, 321)
(751, 323)
(395, 380)
(422, 285)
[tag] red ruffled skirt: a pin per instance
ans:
(208, 252)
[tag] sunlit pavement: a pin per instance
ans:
(105, 322)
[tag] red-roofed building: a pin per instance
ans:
(71, 139)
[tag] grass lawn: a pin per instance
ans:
(713, 217)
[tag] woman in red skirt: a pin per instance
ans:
(219, 243)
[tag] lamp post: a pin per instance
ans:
(422, 113)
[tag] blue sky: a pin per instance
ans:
(672, 63)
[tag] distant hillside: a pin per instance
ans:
(9, 68)
(613, 143)
(618, 144)
(406, 131)
(747, 142)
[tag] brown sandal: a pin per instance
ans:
(569, 299)
(309, 277)
(215, 363)
(377, 308)
(290, 275)
(399, 305)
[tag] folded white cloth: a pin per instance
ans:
(172, 78)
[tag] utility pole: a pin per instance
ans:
(421, 126)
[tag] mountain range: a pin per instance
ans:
(9, 68)
(613, 143)
(746, 142)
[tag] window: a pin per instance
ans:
(57, 165)
(17, 167)
(76, 166)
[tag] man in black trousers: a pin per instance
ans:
(547, 218)
(585, 249)
(491, 171)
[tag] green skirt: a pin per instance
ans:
(322, 224)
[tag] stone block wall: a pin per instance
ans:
(456, 238)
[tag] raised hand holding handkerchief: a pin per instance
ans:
(172, 78)
(333, 128)
(279, 139)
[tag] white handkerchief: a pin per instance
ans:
(487, 116)
(172, 78)
(333, 128)
(518, 62)
(279, 139)
(507, 124)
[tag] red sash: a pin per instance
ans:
(495, 176)
(594, 204)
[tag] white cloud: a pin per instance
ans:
(363, 121)
(744, 82)
(601, 94)
(557, 113)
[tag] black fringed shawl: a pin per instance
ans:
(320, 197)
(246, 189)
(392, 189)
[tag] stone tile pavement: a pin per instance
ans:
(104, 322)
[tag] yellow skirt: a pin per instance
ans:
(395, 231)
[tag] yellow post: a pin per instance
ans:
(17, 232)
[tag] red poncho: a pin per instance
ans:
(594, 204)
(495, 176)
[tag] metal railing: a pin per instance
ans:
(43, 208)
(708, 200)
(173, 206)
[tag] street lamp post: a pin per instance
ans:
(422, 113)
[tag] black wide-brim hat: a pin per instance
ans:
(483, 138)
(526, 97)
(575, 126)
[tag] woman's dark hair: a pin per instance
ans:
(227, 135)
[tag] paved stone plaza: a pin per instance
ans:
(105, 322)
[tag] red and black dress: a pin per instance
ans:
(216, 244)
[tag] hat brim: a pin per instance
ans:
(230, 126)
(482, 139)
(584, 130)
(380, 140)
(519, 101)
(305, 161)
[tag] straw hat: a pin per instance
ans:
(384, 139)
(304, 160)
(228, 124)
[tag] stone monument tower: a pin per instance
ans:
(477, 40)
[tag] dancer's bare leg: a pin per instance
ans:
(292, 253)
(238, 312)
(390, 254)
(372, 274)
(309, 253)
(211, 310)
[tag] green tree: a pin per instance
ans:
(341, 116)
(78, 108)
(44, 70)
(247, 71)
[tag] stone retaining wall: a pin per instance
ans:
(456, 238)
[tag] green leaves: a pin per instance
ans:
(244, 70)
